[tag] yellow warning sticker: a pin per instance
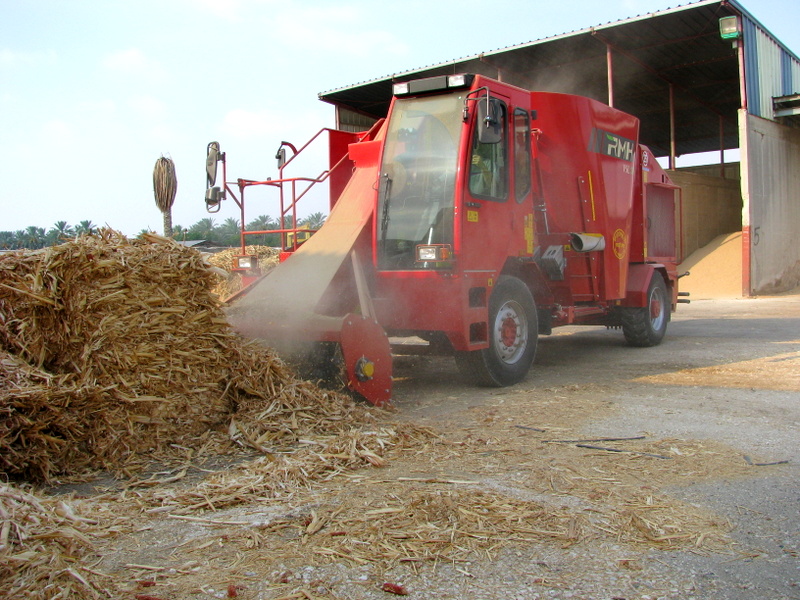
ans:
(620, 244)
(529, 234)
(472, 216)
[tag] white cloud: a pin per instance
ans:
(127, 61)
(245, 124)
(96, 108)
(10, 58)
(344, 28)
(57, 131)
(148, 107)
(134, 62)
(230, 10)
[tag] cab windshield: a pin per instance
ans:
(415, 204)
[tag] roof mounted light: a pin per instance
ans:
(432, 84)
(457, 80)
(400, 89)
(730, 28)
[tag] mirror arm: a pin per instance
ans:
(280, 155)
(468, 99)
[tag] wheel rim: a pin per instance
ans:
(510, 332)
(658, 314)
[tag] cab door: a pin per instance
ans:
(485, 217)
(497, 219)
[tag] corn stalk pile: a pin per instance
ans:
(229, 282)
(42, 544)
(112, 348)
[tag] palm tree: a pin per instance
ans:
(165, 185)
(230, 233)
(262, 223)
(85, 227)
(314, 220)
(202, 230)
(8, 240)
(59, 232)
(34, 237)
(179, 231)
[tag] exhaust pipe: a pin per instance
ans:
(588, 242)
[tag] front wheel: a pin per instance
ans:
(645, 326)
(513, 335)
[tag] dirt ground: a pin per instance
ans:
(609, 473)
(727, 373)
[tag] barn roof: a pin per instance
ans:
(672, 56)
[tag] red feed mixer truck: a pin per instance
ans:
(474, 217)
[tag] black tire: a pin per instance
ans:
(645, 326)
(513, 336)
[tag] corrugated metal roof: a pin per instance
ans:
(679, 47)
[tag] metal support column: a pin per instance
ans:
(672, 149)
(610, 70)
(721, 147)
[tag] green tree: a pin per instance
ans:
(35, 237)
(229, 233)
(262, 223)
(314, 221)
(202, 230)
(8, 240)
(59, 232)
(179, 232)
(84, 228)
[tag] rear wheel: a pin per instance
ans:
(513, 332)
(645, 326)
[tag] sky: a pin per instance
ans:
(93, 92)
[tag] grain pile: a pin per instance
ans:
(716, 269)
(113, 348)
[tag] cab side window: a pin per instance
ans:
(488, 167)
(522, 154)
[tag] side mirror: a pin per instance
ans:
(280, 156)
(213, 199)
(490, 121)
(212, 158)
(214, 195)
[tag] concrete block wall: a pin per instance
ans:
(712, 206)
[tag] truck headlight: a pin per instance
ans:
(245, 263)
(434, 253)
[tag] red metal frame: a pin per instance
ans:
(287, 201)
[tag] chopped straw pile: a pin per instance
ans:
(114, 353)
(228, 282)
(113, 348)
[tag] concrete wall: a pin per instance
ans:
(711, 205)
(770, 155)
